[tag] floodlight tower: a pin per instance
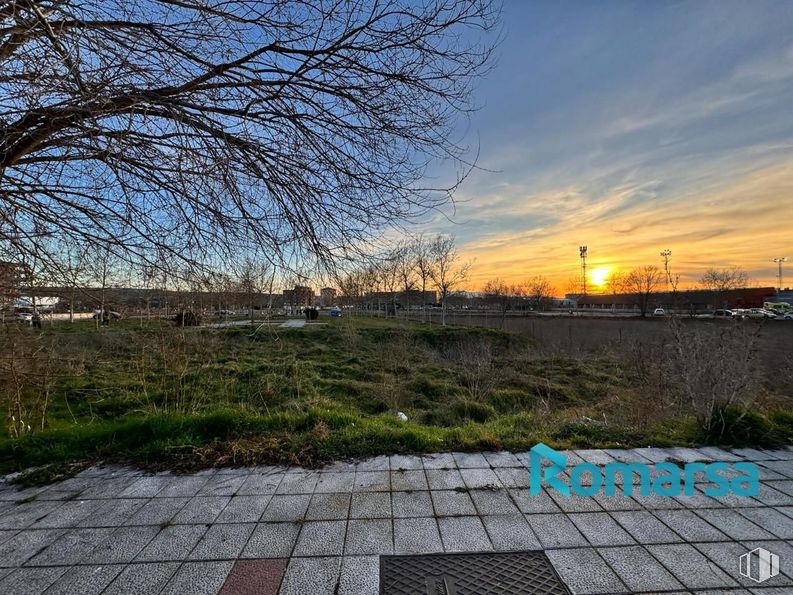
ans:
(582, 251)
(666, 255)
(779, 262)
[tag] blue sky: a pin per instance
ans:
(633, 127)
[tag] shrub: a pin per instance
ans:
(736, 425)
(471, 410)
(187, 318)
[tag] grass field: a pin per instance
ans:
(162, 396)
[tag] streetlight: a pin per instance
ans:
(779, 262)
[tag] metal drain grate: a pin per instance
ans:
(512, 573)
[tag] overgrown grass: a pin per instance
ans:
(166, 397)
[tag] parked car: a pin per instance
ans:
(23, 317)
(723, 313)
(111, 314)
(335, 312)
(788, 316)
(760, 313)
(659, 312)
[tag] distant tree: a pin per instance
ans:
(498, 292)
(405, 264)
(424, 267)
(724, 279)
(641, 282)
(447, 271)
(615, 282)
(539, 291)
(255, 277)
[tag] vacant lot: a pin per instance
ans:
(166, 396)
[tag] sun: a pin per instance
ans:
(598, 276)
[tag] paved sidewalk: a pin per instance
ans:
(276, 530)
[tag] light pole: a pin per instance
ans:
(582, 251)
(779, 262)
(666, 254)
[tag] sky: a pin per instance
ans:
(632, 127)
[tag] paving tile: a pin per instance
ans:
(328, 507)
(638, 569)
(271, 540)
(201, 509)
(502, 460)
(369, 536)
(584, 571)
(335, 482)
(575, 503)
(771, 496)
(782, 467)
(541, 503)
(513, 477)
(690, 567)
(417, 536)
(182, 487)
(480, 478)
(656, 455)
(222, 541)
(372, 481)
(157, 511)
(443, 479)
(645, 528)
(286, 508)
(600, 529)
(408, 480)
(405, 462)
(656, 502)
(172, 543)
(370, 505)
(26, 544)
(616, 502)
(784, 549)
(70, 548)
(244, 509)
(142, 579)
(452, 503)
(754, 455)
(785, 487)
(555, 530)
(439, 461)
(321, 538)
(464, 534)
(85, 580)
(69, 514)
(595, 455)
(379, 463)
(198, 578)
(493, 502)
(222, 485)
(689, 526)
(146, 487)
(122, 545)
(259, 484)
(298, 482)
(360, 575)
(114, 512)
(30, 581)
(311, 575)
(411, 504)
(628, 456)
(22, 516)
(510, 532)
(727, 554)
(734, 525)
(254, 577)
(771, 520)
(698, 500)
(467, 460)
(339, 467)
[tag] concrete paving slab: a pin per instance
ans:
(122, 545)
(298, 482)
(85, 580)
(30, 581)
(645, 528)
(444, 479)
(223, 541)
(689, 526)
(271, 540)
(510, 532)
(372, 481)
(443, 460)
(417, 536)
(690, 566)
(411, 504)
(727, 554)
(255, 577)
(638, 569)
(142, 579)
(404, 462)
(321, 538)
(198, 578)
(335, 482)
(374, 505)
(182, 487)
(734, 525)
(259, 484)
(369, 536)
(452, 503)
(770, 519)
(328, 507)
(157, 511)
(540, 503)
(480, 478)
(244, 509)
(286, 508)
(575, 503)
(502, 460)
(113, 512)
(70, 548)
(222, 485)
(360, 575)
(201, 509)
(464, 534)
(584, 571)
(173, 543)
(555, 531)
(513, 477)
(600, 529)
(468, 460)
(311, 575)
(489, 502)
(408, 480)
(379, 463)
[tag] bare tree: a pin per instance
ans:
(539, 291)
(447, 271)
(641, 282)
(201, 129)
(498, 292)
(102, 266)
(424, 266)
(254, 278)
(73, 259)
(724, 279)
(615, 282)
(405, 262)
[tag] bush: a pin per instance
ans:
(187, 318)
(735, 425)
(471, 410)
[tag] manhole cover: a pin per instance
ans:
(513, 573)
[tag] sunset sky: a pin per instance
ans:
(632, 127)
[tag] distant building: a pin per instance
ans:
(694, 300)
(10, 279)
(327, 297)
(403, 299)
(299, 297)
